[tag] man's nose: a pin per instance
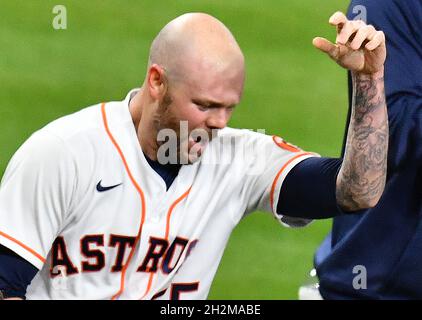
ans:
(218, 118)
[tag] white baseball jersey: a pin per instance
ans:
(80, 202)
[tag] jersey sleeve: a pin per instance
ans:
(271, 159)
(35, 195)
(309, 190)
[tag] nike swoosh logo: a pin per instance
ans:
(100, 188)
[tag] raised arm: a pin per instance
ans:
(361, 49)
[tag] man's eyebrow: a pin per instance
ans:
(211, 104)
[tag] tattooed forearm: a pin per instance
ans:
(361, 180)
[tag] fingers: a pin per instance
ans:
(326, 46)
(378, 39)
(366, 33)
(359, 47)
(356, 32)
(338, 19)
(349, 29)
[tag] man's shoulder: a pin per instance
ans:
(242, 135)
(88, 121)
(56, 139)
(82, 132)
(242, 145)
(84, 120)
(249, 137)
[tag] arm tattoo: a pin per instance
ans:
(362, 176)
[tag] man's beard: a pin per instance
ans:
(177, 144)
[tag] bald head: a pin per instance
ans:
(195, 43)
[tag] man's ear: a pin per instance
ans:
(156, 82)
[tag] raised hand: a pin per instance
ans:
(359, 47)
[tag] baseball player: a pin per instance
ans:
(348, 263)
(92, 206)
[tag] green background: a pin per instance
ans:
(292, 90)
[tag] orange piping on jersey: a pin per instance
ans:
(285, 145)
(174, 204)
(141, 194)
(279, 174)
(23, 246)
(151, 276)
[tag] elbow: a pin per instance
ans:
(353, 202)
(373, 196)
(368, 203)
(360, 197)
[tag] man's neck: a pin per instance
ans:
(143, 126)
